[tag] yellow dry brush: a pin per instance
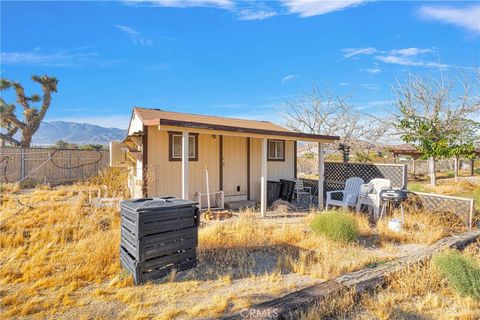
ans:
(59, 258)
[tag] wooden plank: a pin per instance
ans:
(286, 307)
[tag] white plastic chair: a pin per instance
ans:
(372, 198)
(349, 194)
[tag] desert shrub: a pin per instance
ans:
(462, 272)
(337, 226)
(115, 179)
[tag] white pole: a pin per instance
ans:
(208, 188)
(263, 180)
(320, 175)
(185, 165)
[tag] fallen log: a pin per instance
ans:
(287, 306)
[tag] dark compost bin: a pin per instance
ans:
(273, 191)
(287, 189)
(158, 235)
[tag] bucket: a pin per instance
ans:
(395, 225)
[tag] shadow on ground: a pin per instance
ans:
(242, 262)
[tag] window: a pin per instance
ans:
(276, 150)
(175, 146)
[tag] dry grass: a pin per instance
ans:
(418, 292)
(59, 258)
(320, 257)
(421, 228)
(451, 187)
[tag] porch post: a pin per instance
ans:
(320, 175)
(185, 165)
(263, 180)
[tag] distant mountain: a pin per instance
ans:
(79, 133)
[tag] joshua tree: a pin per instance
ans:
(32, 117)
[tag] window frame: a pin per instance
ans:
(171, 157)
(282, 158)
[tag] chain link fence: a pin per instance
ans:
(54, 166)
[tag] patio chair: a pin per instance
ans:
(301, 190)
(349, 194)
(370, 194)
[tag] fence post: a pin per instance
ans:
(22, 163)
(405, 176)
(69, 159)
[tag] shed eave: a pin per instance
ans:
(165, 124)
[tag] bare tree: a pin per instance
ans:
(32, 117)
(371, 136)
(322, 112)
(431, 113)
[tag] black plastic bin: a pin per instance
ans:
(287, 189)
(273, 191)
(157, 235)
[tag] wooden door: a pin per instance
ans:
(235, 167)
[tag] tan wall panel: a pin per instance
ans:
(234, 165)
(276, 169)
(165, 176)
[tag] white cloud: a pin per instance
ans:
(409, 57)
(410, 51)
(398, 59)
(467, 17)
(135, 36)
(225, 4)
(59, 58)
(404, 56)
(351, 52)
(251, 14)
(344, 84)
(309, 8)
(374, 70)
(253, 10)
(288, 78)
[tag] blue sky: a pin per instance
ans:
(231, 58)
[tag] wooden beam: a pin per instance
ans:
(273, 135)
(288, 306)
(220, 162)
(145, 162)
(321, 170)
(185, 179)
(263, 179)
(295, 148)
(243, 130)
(248, 168)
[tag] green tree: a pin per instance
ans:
(32, 117)
(431, 114)
(462, 145)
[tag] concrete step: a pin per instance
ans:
(239, 205)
